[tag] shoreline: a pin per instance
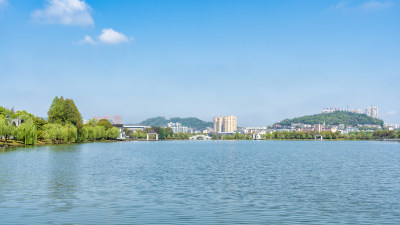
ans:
(20, 145)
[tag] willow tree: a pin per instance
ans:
(72, 133)
(112, 133)
(27, 132)
(6, 129)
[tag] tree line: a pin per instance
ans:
(64, 125)
(334, 118)
(164, 133)
(310, 135)
(329, 135)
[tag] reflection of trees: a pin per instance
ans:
(63, 177)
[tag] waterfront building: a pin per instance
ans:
(250, 130)
(225, 124)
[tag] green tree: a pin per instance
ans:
(100, 132)
(105, 123)
(91, 133)
(92, 122)
(57, 133)
(6, 129)
(39, 123)
(112, 133)
(72, 133)
(162, 133)
(64, 111)
(84, 134)
(168, 132)
(56, 112)
(27, 132)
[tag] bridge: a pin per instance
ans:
(200, 137)
(136, 127)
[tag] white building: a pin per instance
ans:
(356, 111)
(372, 111)
(178, 128)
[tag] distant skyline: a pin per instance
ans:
(262, 61)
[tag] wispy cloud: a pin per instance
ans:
(367, 6)
(87, 40)
(374, 5)
(3, 3)
(107, 36)
(66, 12)
(341, 6)
(391, 113)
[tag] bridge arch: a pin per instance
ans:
(200, 137)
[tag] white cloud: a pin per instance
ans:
(391, 113)
(110, 36)
(107, 36)
(87, 40)
(374, 5)
(66, 12)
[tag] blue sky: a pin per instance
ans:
(262, 61)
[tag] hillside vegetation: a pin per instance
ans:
(192, 122)
(334, 118)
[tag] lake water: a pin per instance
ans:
(202, 182)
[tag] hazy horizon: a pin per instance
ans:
(261, 61)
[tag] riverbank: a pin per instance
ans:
(15, 144)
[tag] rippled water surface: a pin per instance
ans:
(202, 182)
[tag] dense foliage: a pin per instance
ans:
(192, 122)
(63, 111)
(105, 123)
(358, 135)
(64, 125)
(7, 129)
(163, 134)
(334, 118)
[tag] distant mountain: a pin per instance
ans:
(334, 118)
(192, 122)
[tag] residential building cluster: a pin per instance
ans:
(117, 119)
(322, 127)
(178, 128)
(371, 111)
(391, 126)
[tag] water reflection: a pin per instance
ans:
(202, 183)
(63, 177)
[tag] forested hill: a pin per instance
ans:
(192, 122)
(334, 118)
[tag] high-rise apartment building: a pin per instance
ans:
(227, 124)
(372, 111)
